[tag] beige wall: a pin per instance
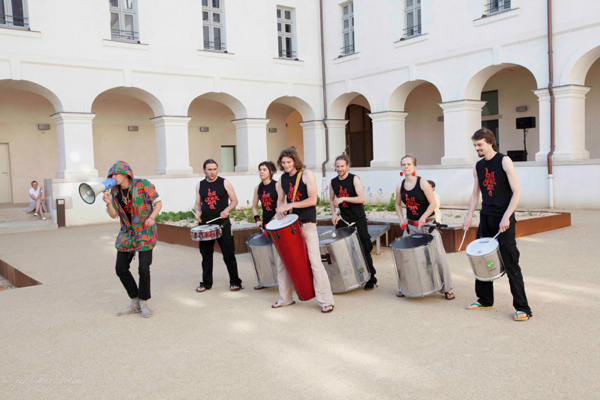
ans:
(113, 142)
(515, 87)
(424, 133)
(295, 136)
(289, 132)
(204, 145)
(33, 154)
(592, 111)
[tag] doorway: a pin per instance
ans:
(359, 136)
(492, 125)
(5, 194)
(228, 159)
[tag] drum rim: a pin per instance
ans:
(494, 249)
(412, 248)
(258, 234)
(335, 240)
(293, 216)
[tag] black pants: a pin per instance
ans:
(227, 245)
(123, 264)
(489, 227)
(362, 231)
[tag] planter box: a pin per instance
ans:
(15, 276)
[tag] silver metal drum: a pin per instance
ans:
(417, 270)
(485, 258)
(343, 259)
(264, 259)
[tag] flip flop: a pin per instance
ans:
(235, 288)
(450, 296)
(477, 306)
(521, 316)
(277, 305)
(328, 311)
(399, 294)
(259, 287)
(202, 288)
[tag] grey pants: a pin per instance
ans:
(443, 266)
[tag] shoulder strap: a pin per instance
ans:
(296, 188)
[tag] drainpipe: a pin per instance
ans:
(323, 166)
(552, 109)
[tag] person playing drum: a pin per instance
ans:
(347, 193)
(304, 205)
(496, 179)
(417, 195)
(267, 194)
(213, 195)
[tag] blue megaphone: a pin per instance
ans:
(88, 192)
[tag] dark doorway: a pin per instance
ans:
(493, 126)
(359, 136)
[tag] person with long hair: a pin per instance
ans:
(417, 195)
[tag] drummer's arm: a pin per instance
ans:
(399, 207)
(233, 201)
(513, 181)
(426, 187)
(473, 202)
(198, 203)
(360, 193)
(280, 199)
(332, 205)
(255, 201)
(311, 186)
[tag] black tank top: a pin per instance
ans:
(288, 182)
(493, 182)
(351, 212)
(214, 198)
(267, 194)
(415, 201)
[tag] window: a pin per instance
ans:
(413, 18)
(123, 20)
(497, 6)
(491, 107)
(348, 28)
(13, 14)
(213, 25)
(285, 33)
(228, 159)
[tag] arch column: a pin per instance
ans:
(251, 143)
(570, 123)
(461, 119)
(543, 123)
(172, 146)
(75, 145)
(389, 143)
(337, 139)
(314, 143)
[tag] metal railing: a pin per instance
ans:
(497, 6)
(288, 54)
(347, 50)
(215, 46)
(129, 36)
(14, 21)
(412, 31)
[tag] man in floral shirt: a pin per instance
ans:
(137, 204)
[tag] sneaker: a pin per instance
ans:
(35, 214)
(146, 312)
(134, 307)
(43, 218)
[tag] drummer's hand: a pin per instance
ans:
(259, 223)
(334, 219)
(197, 216)
(107, 198)
(422, 221)
(338, 201)
(467, 223)
(504, 224)
(280, 215)
(283, 208)
(224, 214)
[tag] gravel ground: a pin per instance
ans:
(6, 283)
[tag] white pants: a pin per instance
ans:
(443, 266)
(320, 278)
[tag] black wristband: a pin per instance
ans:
(256, 218)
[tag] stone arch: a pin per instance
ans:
(337, 108)
(575, 70)
(235, 105)
(138, 93)
(305, 109)
(35, 88)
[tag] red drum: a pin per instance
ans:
(287, 238)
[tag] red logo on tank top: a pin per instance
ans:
(489, 182)
(212, 199)
(266, 201)
(412, 205)
(343, 193)
(291, 194)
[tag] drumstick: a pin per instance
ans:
(212, 220)
(461, 243)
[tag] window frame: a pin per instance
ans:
(501, 6)
(8, 12)
(282, 51)
(416, 29)
(350, 48)
(210, 44)
(123, 35)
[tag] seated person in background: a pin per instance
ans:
(37, 201)
(438, 203)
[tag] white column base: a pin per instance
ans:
(337, 139)
(75, 145)
(389, 143)
(314, 144)
(251, 142)
(462, 119)
(172, 145)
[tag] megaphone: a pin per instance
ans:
(88, 192)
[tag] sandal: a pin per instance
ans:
(327, 311)
(477, 306)
(235, 288)
(202, 288)
(278, 305)
(521, 316)
(399, 294)
(259, 287)
(450, 296)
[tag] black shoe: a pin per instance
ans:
(371, 285)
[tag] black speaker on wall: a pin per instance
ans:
(517, 155)
(526, 123)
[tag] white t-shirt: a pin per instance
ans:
(35, 193)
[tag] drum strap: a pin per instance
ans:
(296, 188)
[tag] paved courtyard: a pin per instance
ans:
(62, 339)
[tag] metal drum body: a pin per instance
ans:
(264, 259)
(344, 260)
(486, 261)
(416, 259)
(287, 238)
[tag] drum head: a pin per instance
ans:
(260, 240)
(482, 246)
(277, 224)
(204, 228)
(340, 234)
(412, 241)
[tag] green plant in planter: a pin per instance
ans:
(391, 205)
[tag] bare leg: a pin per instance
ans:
(38, 208)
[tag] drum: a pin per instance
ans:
(344, 260)
(287, 238)
(204, 233)
(417, 270)
(485, 258)
(262, 254)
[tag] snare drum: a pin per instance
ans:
(287, 238)
(264, 259)
(205, 233)
(416, 262)
(343, 259)
(486, 261)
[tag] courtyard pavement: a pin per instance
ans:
(62, 340)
